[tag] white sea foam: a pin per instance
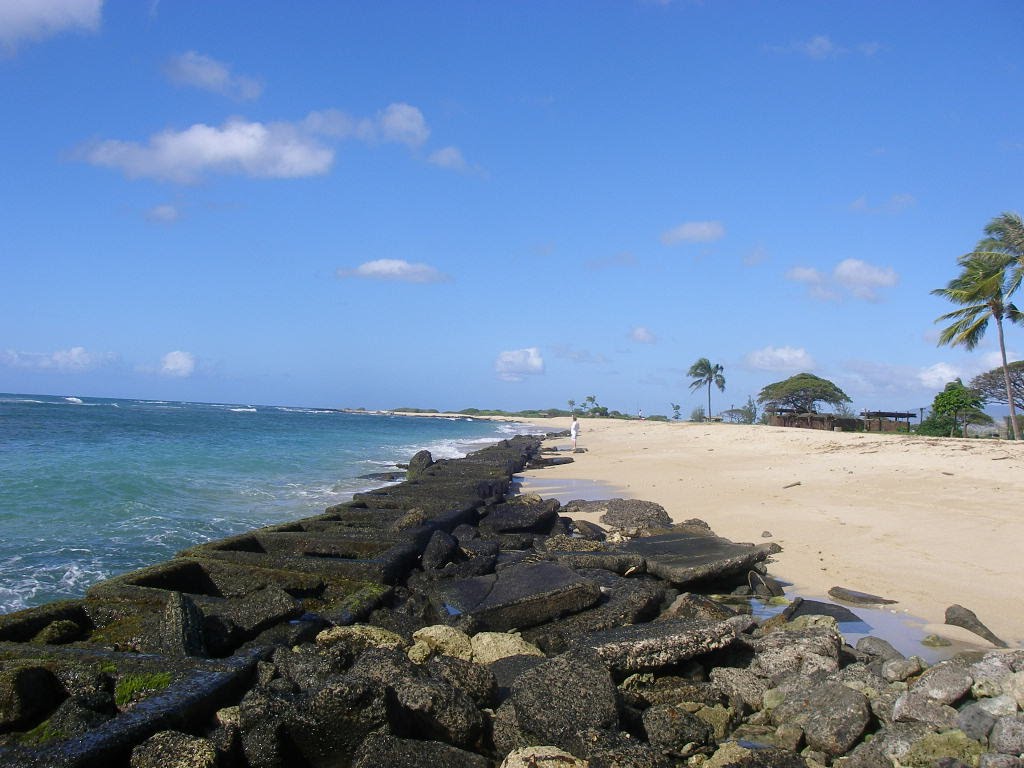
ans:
(248, 409)
(74, 400)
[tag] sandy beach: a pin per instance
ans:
(925, 521)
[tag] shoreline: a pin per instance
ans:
(927, 522)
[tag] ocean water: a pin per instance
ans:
(90, 488)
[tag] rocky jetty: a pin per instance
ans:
(445, 621)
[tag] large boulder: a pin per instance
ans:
(653, 646)
(27, 694)
(523, 595)
(685, 555)
(418, 464)
(381, 750)
(672, 730)
(557, 701)
(833, 716)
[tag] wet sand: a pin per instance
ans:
(925, 521)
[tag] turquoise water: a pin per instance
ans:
(91, 487)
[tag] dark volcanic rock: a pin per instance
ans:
(624, 601)
(801, 607)
(832, 716)
(441, 548)
(631, 516)
(27, 694)
(657, 645)
(383, 751)
(674, 731)
(958, 616)
(682, 556)
(475, 680)
(170, 749)
(692, 607)
(565, 695)
(858, 598)
(418, 464)
(519, 596)
(521, 517)
(806, 651)
(182, 627)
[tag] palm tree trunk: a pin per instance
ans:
(1006, 379)
(708, 418)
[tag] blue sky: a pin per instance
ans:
(460, 204)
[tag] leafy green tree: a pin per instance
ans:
(992, 387)
(749, 411)
(697, 414)
(675, 411)
(802, 393)
(989, 276)
(705, 373)
(572, 406)
(960, 402)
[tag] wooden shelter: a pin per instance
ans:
(887, 421)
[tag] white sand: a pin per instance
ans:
(925, 521)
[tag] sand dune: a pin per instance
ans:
(925, 521)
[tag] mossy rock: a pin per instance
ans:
(928, 750)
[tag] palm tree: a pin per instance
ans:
(1005, 236)
(703, 372)
(982, 290)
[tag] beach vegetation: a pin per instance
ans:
(698, 414)
(992, 387)
(955, 406)
(572, 406)
(989, 276)
(802, 393)
(746, 414)
(675, 411)
(137, 686)
(705, 373)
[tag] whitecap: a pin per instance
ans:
(250, 409)
(74, 400)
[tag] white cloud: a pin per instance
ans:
(73, 360)
(808, 275)
(397, 270)
(821, 47)
(261, 150)
(862, 279)
(937, 376)
(31, 20)
(163, 214)
(404, 124)
(178, 364)
(896, 203)
(780, 359)
(694, 232)
(566, 352)
(515, 364)
(199, 71)
(642, 335)
(858, 278)
(448, 157)
(273, 150)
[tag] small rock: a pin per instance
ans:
(958, 616)
(934, 747)
(173, 749)
(974, 721)
(440, 638)
(899, 669)
(876, 646)
(542, 757)
(674, 731)
(489, 647)
(945, 683)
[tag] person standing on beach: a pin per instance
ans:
(574, 432)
